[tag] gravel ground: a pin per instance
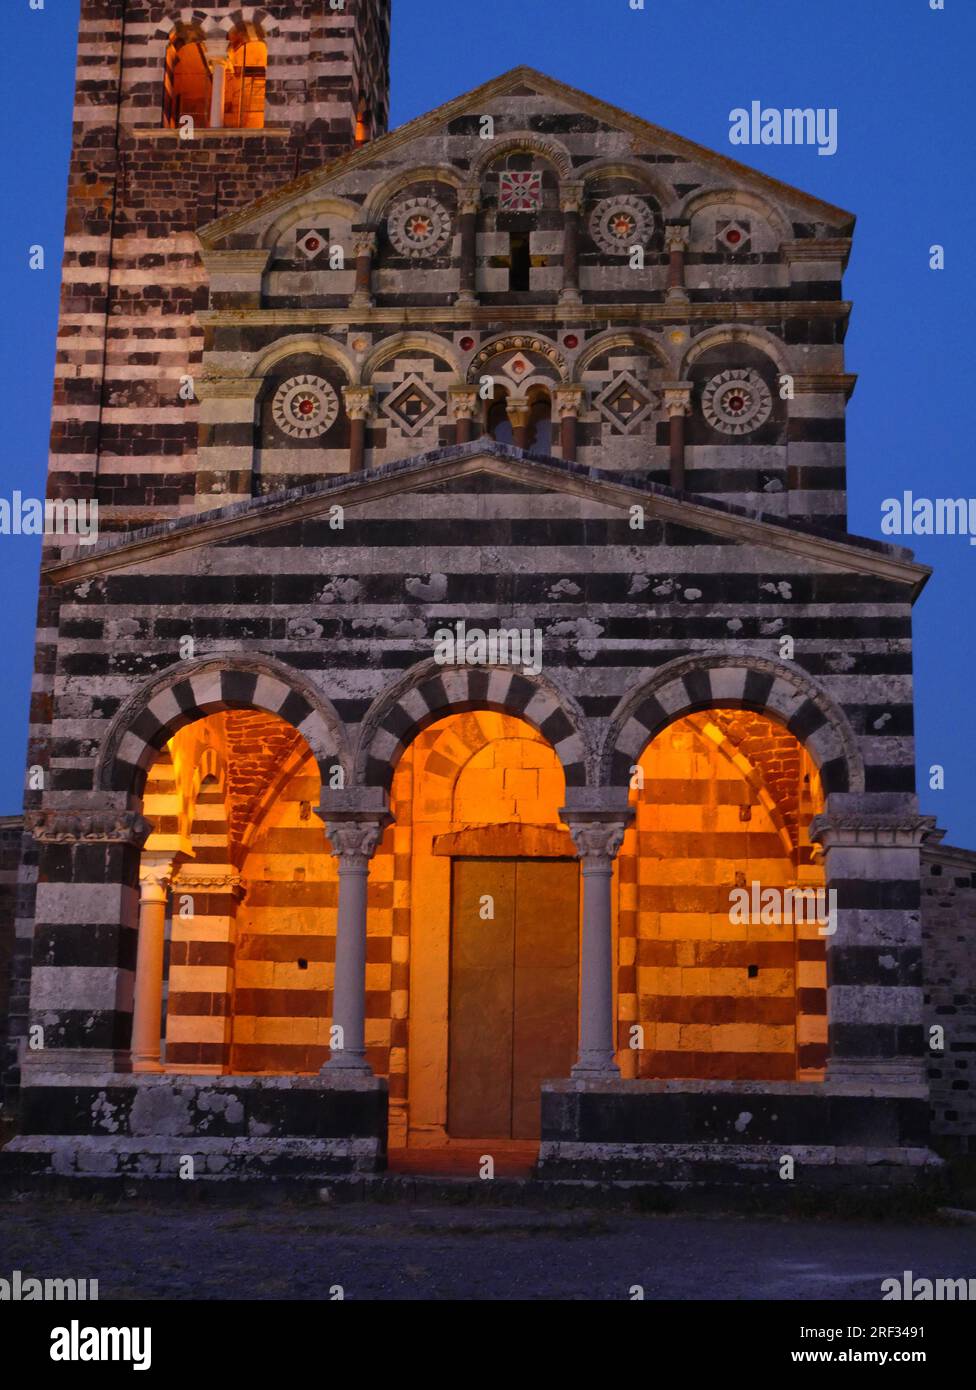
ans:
(147, 1251)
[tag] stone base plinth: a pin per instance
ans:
(231, 1127)
(735, 1133)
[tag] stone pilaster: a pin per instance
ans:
(871, 850)
(85, 935)
(227, 409)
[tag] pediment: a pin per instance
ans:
(566, 108)
(489, 469)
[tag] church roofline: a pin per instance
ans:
(859, 554)
(382, 147)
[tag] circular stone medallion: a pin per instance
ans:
(617, 224)
(737, 402)
(419, 227)
(305, 407)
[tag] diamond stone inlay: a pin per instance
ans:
(412, 405)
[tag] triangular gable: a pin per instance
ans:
(464, 464)
(517, 80)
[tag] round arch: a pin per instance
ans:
(380, 197)
(616, 338)
(405, 342)
(694, 683)
(709, 197)
(759, 338)
(309, 208)
(191, 690)
(219, 26)
(523, 141)
(610, 167)
(430, 691)
(517, 342)
(292, 346)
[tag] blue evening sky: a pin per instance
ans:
(896, 71)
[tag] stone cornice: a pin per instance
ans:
(243, 262)
(203, 134)
(870, 830)
(89, 827)
(814, 249)
(469, 316)
(824, 383)
(938, 853)
(254, 515)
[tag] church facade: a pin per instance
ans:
(475, 725)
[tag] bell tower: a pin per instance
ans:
(182, 114)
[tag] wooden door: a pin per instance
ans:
(514, 988)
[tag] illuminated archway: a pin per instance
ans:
(723, 913)
(476, 798)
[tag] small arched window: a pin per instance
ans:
(246, 81)
(499, 427)
(187, 80)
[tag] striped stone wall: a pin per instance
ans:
(949, 968)
(11, 838)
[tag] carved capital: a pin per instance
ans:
(463, 402)
(156, 873)
(597, 841)
(89, 827)
(568, 400)
(571, 197)
(676, 398)
(354, 842)
(676, 237)
(359, 401)
(469, 200)
(365, 244)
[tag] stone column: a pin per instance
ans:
(676, 237)
(567, 400)
(354, 842)
(155, 877)
(88, 872)
(598, 835)
(359, 400)
(218, 87)
(677, 404)
(519, 414)
(469, 204)
(463, 403)
(871, 846)
(571, 201)
(365, 250)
